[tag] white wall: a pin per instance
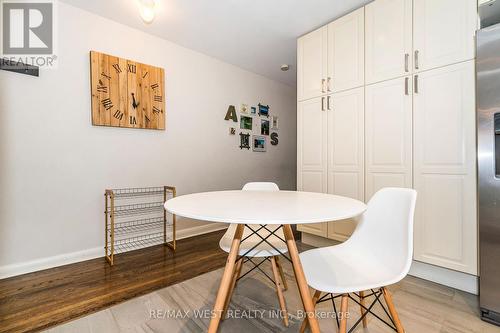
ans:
(54, 165)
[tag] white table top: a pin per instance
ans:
(265, 207)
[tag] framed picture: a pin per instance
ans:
(253, 110)
(264, 110)
(244, 108)
(259, 143)
(244, 141)
(264, 127)
(274, 122)
(246, 123)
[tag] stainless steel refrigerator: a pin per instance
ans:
(488, 136)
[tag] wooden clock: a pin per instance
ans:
(126, 93)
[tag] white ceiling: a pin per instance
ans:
(257, 35)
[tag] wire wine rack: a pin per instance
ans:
(135, 218)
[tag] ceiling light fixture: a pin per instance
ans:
(147, 8)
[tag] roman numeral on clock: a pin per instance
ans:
(146, 119)
(106, 76)
(117, 68)
(133, 121)
(101, 87)
(107, 103)
(145, 74)
(158, 98)
(154, 86)
(156, 110)
(132, 68)
(118, 115)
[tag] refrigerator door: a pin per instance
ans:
(488, 128)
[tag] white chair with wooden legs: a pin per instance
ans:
(378, 254)
(263, 251)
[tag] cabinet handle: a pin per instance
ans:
(416, 59)
(406, 86)
(323, 85)
(407, 58)
(322, 104)
(328, 103)
(328, 83)
(416, 84)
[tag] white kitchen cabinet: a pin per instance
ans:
(312, 154)
(388, 26)
(445, 167)
(415, 126)
(346, 153)
(443, 32)
(318, 229)
(346, 52)
(312, 64)
(388, 117)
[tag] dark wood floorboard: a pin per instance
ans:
(40, 300)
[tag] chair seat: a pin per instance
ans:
(340, 269)
(263, 250)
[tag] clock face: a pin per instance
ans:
(126, 93)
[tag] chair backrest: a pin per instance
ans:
(385, 230)
(255, 186)
(261, 186)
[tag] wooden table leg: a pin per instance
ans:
(301, 279)
(316, 297)
(226, 280)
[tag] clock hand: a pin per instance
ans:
(134, 104)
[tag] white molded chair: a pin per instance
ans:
(378, 254)
(263, 250)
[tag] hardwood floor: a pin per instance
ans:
(40, 300)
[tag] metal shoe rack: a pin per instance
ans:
(135, 218)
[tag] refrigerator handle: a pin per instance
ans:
(496, 128)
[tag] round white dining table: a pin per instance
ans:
(282, 208)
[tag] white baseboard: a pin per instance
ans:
(458, 280)
(74, 257)
(49, 262)
(200, 230)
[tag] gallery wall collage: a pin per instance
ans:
(253, 119)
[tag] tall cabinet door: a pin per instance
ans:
(388, 139)
(443, 32)
(312, 64)
(346, 52)
(445, 168)
(346, 153)
(312, 153)
(388, 39)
